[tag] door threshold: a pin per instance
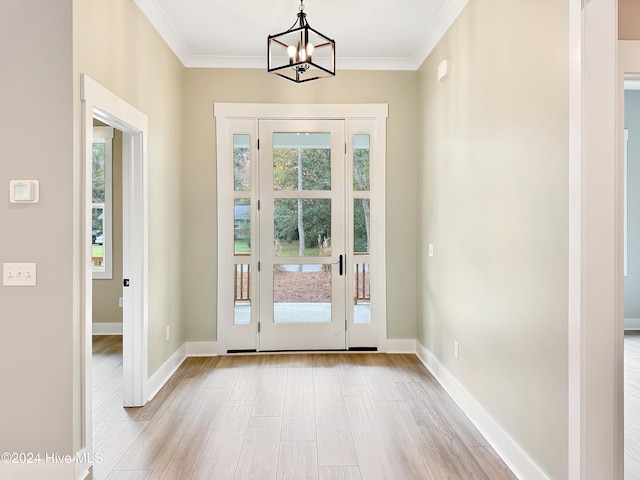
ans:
(348, 350)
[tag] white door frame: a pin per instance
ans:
(596, 251)
(628, 62)
(98, 102)
(223, 112)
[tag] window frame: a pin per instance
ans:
(105, 272)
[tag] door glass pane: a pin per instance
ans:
(361, 155)
(242, 226)
(361, 225)
(302, 227)
(302, 293)
(362, 295)
(241, 162)
(301, 161)
(242, 291)
(98, 158)
(242, 260)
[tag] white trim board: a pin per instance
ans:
(204, 349)
(506, 447)
(632, 323)
(397, 345)
(168, 368)
(107, 328)
(166, 371)
(214, 349)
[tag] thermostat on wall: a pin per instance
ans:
(24, 191)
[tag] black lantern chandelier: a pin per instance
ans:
(301, 54)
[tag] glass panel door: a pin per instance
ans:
(302, 235)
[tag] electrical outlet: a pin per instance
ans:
(431, 249)
(168, 332)
(456, 349)
(120, 302)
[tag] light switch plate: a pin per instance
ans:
(19, 274)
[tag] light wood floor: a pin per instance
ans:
(318, 416)
(632, 405)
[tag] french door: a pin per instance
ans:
(300, 215)
(302, 232)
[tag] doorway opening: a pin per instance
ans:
(99, 104)
(631, 233)
(301, 227)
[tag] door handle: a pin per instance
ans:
(340, 269)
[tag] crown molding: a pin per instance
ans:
(342, 63)
(437, 30)
(158, 18)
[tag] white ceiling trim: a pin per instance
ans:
(433, 35)
(158, 18)
(437, 30)
(342, 63)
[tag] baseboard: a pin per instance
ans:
(397, 345)
(107, 328)
(214, 349)
(511, 453)
(204, 349)
(632, 323)
(164, 373)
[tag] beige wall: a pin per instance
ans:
(494, 201)
(203, 87)
(117, 46)
(628, 20)
(36, 344)
(106, 292)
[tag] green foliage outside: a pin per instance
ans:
(98, 184)
(241, 169)
(304, 169)
(361, 182)
(284, 250)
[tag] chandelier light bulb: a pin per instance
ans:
(309, 49)
(291, 51)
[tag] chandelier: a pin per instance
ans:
(301, 54)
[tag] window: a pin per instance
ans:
(101, 248)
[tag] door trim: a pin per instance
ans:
(100, 103)
(595, 390)
(377, 113)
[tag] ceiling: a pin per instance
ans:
(369, 34)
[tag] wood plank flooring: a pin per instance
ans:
(286, 417)
(632, 405)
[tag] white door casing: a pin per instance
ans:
(241, 120)
(98, 102)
